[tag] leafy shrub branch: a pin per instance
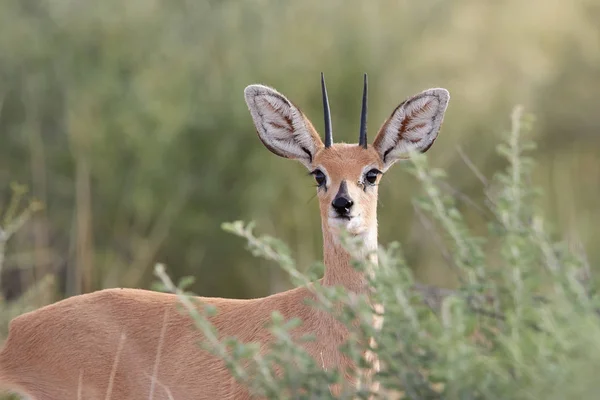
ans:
(522, 323)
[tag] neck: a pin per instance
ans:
(338, 268)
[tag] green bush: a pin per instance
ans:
(522, 323)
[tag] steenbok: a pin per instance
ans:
(135, 344)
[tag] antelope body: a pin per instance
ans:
(135, 344)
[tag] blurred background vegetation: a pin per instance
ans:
(126, 119)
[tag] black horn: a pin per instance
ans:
(362, 138)
(327, 113)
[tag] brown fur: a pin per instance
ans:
(107, 344)
(49, 348)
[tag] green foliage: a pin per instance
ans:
(523, 323)
(12, 219)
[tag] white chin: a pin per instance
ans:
(353, 224)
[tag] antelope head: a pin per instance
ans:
(347, 175)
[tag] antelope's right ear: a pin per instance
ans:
(281, 126)
(413, 126)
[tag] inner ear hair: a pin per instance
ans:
(281, 126)
(412, 126)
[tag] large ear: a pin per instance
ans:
(281, 126)
(414, 125)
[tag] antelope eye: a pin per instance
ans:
(319, 177)
(371, 176)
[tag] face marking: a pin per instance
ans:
(346, 166)
(320, 178)
(370, 176)
(342, 202)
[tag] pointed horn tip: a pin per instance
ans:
(363, 117)
(327, 113)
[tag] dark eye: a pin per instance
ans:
(319, 177)
(371, 176)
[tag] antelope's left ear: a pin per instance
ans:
(414, 125)
(281, 126)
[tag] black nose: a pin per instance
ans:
(342, 204)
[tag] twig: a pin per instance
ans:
(158, 353)
(428, 225)
(200, 320)
(12, 227)
(163, 386)
(477, 174)
(434, 296)
(113, 371)
(464, 198)
(471, 166)
(80, 385)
